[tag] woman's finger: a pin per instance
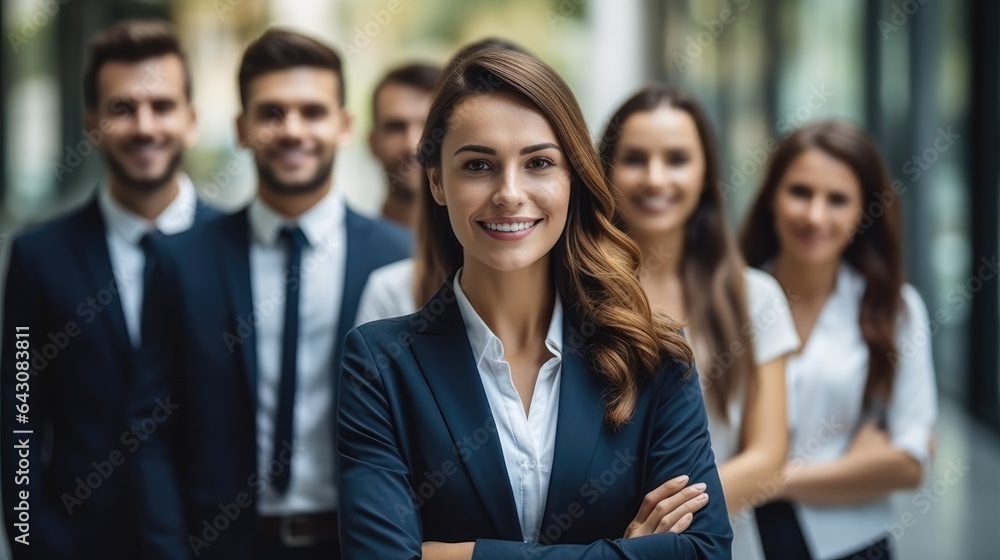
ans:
(684, 523)
(657, 495)
(670, 508)
(675, 518)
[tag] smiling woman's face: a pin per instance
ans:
(816, 208)
(659, 170)
(505, 181)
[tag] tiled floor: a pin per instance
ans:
(956, 514)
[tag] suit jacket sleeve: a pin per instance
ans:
(378, 516)
(680, 444)
(156, 488)
(23, 307)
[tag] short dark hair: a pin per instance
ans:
(280, 49)
(131, 40)
(418, 75)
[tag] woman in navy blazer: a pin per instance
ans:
(534, 408)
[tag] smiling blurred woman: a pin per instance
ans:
(534, 406)
(861, 390)
(660, 155)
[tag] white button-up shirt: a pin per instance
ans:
(528, 441)
(826, 383)
(124, 230)
(388, 293)
(772, 331)
(311, 488)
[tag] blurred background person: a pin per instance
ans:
(78, 283)
(247, 338)
(399, 110)
(402, 287)
(660, 155)
(862, 392)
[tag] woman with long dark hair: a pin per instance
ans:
(534, 406)
(660, 155)
(861, 390)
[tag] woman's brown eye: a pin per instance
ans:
(633, 159)
(540, 163)
(799, 191)
(678, 159)
(838, 200)
(476, 165)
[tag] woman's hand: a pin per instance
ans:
(869, 438)
(668, 508)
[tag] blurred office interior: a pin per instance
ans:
(921, 75)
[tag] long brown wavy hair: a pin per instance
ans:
(595, 266)
(712, 269)
(875, 251)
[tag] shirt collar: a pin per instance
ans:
(175, 218)
(320, 223)
(485, 344)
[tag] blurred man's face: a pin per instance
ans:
(146, 120)
(294, 124)
(400, 114)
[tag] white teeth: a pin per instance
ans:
(509, 227)
(654, 202)
(144, 149)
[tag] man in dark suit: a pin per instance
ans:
(247, 327)
(74, 292)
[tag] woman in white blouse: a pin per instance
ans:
(861, 390)
(659, 153)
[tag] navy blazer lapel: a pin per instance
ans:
(93, 244)
(203, 212)
(445, 359)
(357, 265)
(235, 258)
(581, 417)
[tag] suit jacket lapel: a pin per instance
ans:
(581, 416)
(235, 258)
(357, 264)
(445, 358)
(203, 212)
(93, 245)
